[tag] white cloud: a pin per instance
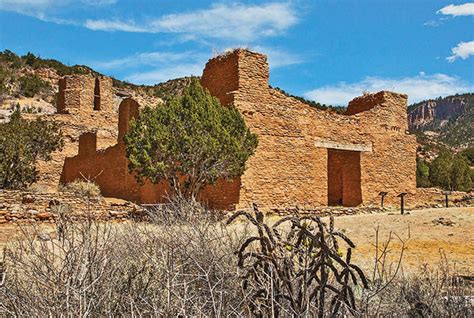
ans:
(418, 88)
(458, 10)
(41, 9)
(155, 67)
(113, 25)
(463, 50)
(146, 58)
(26, 7)
(169, 65)
(234, 22)
(164, 74)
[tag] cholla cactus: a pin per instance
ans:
(298, 271)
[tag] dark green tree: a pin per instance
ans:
(460, 174)
(22, 143)
(451, 172)
(469, 154)
(190, 142)
(422, 173)
(441, 170)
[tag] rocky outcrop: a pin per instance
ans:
(440, 110)
(444, 122)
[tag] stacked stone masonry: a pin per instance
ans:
(85, 93)
(18, 207)
(290, 167)
(306, 157)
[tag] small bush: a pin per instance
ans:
(5, 76)
(451, 172)
(31, 85)
(82, 189)
(422, 173)
(38, 188)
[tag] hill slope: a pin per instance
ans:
(447, 121)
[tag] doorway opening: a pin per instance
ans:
(344, 180)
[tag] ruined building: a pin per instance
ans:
(85, 92)
(306, 157)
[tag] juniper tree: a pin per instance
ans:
(191, 141)
(422, 173)
(22, 144)
(451, 172)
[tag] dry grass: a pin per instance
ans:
(82, 189)
(184, 264)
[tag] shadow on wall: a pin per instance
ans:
(109, 169)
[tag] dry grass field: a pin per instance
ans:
(425, 242)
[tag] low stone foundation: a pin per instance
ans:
(19, 206)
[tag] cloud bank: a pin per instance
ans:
(458, 10)
(223, 21)
(418, 88)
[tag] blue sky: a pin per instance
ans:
(330, 51)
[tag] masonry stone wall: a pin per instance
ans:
(19, 207)
(306, 157)
(109, 169)
(85, 93)
(290, 166)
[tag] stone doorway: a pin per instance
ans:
(344, 180)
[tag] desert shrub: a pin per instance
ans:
(302, 273)
(431, 292)
(22, 144)
(469, 154)
(190, 142)
(38, 188)
(82, 189)
(5, 77)
(91, 269)
(185, 266)
(9, 57)
(31, 85)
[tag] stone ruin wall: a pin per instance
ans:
(109, 169)
(23, 207)
(85, 93)
(290, 166)
(303, 154)
(76, 115)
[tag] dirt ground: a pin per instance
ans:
(425, 242)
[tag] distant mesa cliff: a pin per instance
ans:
(451, 118)
(442, 110)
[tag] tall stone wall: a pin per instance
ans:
(306, 157)
(107, 97)
(85, 93)
(290, 166)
